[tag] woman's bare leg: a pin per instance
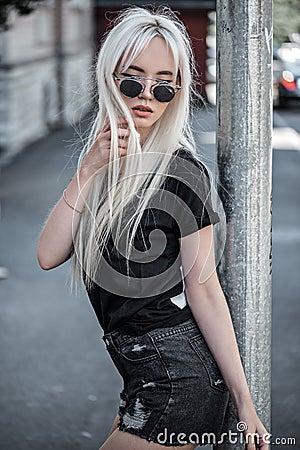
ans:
(120, 440)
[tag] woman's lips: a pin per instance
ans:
(142, 111)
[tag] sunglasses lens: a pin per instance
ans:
(131, 88)
(163, 93)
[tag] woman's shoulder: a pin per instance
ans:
(186, 171)
(188, 155)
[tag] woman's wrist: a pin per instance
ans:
(89, 168)
(84, 174)
(241, 400)
(76, 191)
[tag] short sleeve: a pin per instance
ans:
(192, 203)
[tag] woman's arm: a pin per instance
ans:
(55, 244)
(210, 310)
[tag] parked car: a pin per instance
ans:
(286, 74)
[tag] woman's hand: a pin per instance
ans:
(256, 435)
(99, 153)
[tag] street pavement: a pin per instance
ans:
(59, 388)
(286, 280)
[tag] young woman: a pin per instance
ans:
(138, 221)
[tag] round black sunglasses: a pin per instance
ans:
(131, 86)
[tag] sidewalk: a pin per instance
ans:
(59, 389)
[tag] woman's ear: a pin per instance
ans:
(178, 78)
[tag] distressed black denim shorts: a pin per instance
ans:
(173, 392)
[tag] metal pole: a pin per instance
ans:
(244, 128)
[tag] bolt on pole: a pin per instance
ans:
(244, 152)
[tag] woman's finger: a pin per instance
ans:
(121, 121)
(122, 151)
(123, 132)
(106, 135)
(105, 128)
(122, 143)
(264, 441)
(256, 441)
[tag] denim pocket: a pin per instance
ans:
(202, 350)
(138, 349)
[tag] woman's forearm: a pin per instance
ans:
(213, 318)
(56, 240)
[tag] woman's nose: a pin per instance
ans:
(147, 91)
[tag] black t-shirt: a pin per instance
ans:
(153, 294)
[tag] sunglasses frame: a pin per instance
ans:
(138, 78)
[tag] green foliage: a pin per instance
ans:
(286, 17)
(21, 6)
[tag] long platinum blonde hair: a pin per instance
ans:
(138, 175)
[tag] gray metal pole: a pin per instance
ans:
(244, 127)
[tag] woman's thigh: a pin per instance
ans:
(120, 440)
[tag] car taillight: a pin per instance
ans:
(287, 80)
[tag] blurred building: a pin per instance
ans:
(44, 71)
(193, 13)
(45, 61)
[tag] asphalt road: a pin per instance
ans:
(286, 280)
(59, 389)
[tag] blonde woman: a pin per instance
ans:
(137, 219)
